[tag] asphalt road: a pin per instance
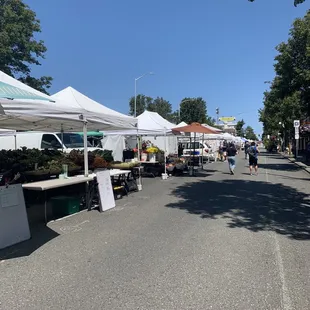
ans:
(214, 241)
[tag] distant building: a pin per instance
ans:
(229, 127)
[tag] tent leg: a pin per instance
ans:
(165, 152)
(85, 150)
(140, 178)
(203, 140)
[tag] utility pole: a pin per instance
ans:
(217, 115)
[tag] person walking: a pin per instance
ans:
(253, 160)
(231, 152)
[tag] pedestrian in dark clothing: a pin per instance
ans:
(231, 156)
(253, 154)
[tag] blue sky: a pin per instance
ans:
(221, 50)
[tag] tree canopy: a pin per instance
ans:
(18, 47)
(161, 106)
(193, 110)
(296, 2)
(142, 103)
(289, 94)
(249, 133)
(239, 128)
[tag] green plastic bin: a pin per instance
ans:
(65, 205)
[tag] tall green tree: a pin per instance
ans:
(19, 49)
(239, 128)
(142, 103)
(210, 121)
(174, 117)
(249, 133)
(162, 107)
(193, 110)
(296, 2)
(289, 94)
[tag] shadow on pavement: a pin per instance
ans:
(289, 177)
(257, 206)
(40, 235)
(279, 167)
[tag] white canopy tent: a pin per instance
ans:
(212, 128)
(155, 127)
(41, 112)
(149, 124)
(71, 98)
(182, 124)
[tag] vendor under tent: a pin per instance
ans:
(194, 128)
(148, 123)
(155, 127)
(39, 111)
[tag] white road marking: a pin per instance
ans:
(74, 228)
(285, 298)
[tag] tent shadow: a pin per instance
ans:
(254, 205)
(40, 235)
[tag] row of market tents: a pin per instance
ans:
(24, 108)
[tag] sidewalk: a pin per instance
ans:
(300, 162)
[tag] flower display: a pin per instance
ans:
(152, 149)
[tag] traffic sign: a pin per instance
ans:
(296, 123)
(296, 135)
(296, 130)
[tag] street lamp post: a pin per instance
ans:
(283, 139)
(137, 79)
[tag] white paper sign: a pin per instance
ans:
(8, 197)
(105, 189)
(14, 225)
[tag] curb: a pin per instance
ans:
(297, 163)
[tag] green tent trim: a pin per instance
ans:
(91, 134)
(11, 92)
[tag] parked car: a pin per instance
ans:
(44, 140)
(198, 149)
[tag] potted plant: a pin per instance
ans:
(152, 151)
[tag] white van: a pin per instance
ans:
(202, 149)
(44, 140)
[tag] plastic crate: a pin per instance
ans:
(65, 205)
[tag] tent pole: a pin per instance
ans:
(62, 137)
(165, 161)
(85, 149)
(138, 151)
(203, 140)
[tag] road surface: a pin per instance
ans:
(215, 241)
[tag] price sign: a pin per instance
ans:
(296, 123)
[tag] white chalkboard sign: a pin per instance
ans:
(105, 189)
(14, 226)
